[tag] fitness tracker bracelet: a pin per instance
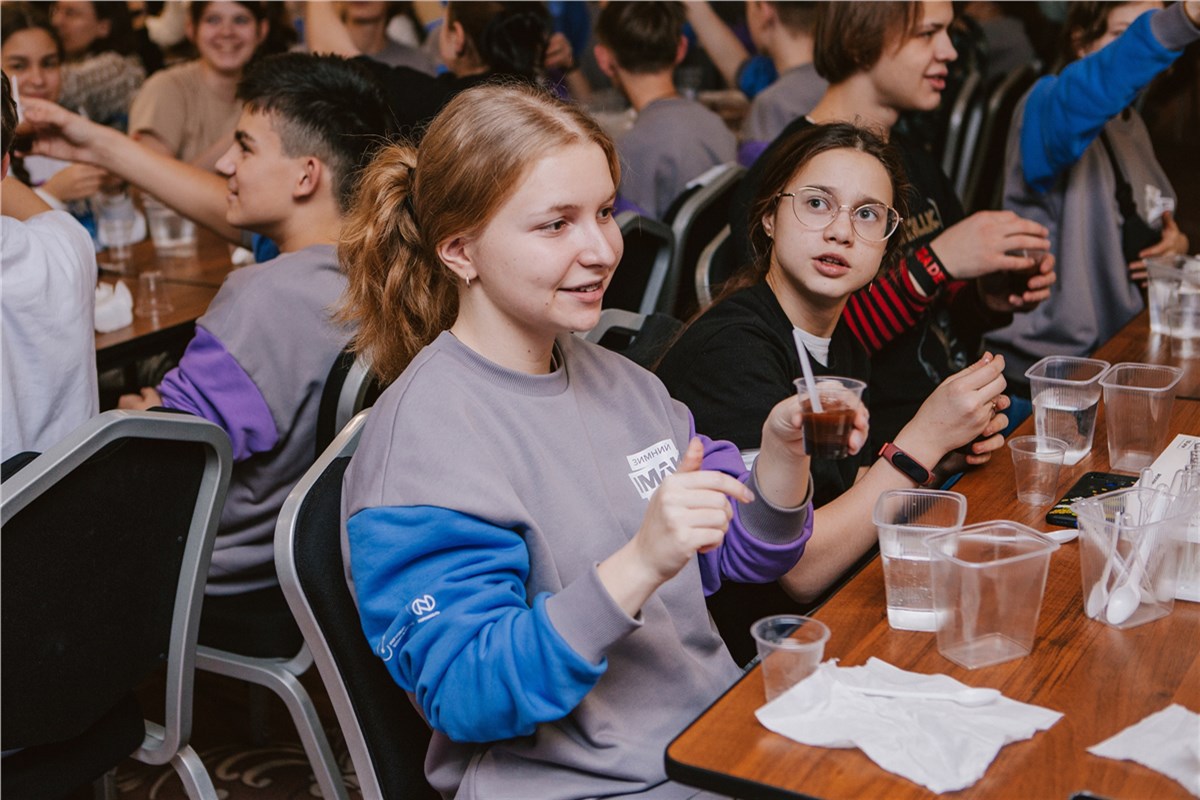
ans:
(906, 464)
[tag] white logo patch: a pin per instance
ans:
(649, 467)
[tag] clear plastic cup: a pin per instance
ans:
(827, 434)
(790, 648)
(1037, 464)
(1137, 402)
(904, 518)
(173, 234)
(1170, 278)
(1066, 397)
(1184, 324)
(152, 298)
(988, 581)
(1130, 548)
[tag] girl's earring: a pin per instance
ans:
(468, 283)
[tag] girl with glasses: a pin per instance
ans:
(532, 522)
(824, 220)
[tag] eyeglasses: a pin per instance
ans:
(817, 209)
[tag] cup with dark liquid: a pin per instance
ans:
(1015, 281)
(827, 433)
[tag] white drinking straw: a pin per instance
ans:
(806, 368)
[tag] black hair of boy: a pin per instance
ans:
(10, 116)
(643, 36)
(324, 106)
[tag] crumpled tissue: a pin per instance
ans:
(114, 306)
(1167, 741)
(940, 744)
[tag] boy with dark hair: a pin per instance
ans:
(783, 31)
(674, 140)
(47, 307)
(261, 353)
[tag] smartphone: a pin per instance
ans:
(1089, 485)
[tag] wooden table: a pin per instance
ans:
(191, 282)
(1102, 679)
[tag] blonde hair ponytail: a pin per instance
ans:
(399, 293)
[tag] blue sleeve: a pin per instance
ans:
(442, 600)
(756, 74)
(1065, 113)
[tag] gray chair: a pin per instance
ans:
(106, 545)
(385, 735)
(717, 264)
(637, 285)
(700, 216)
(969, 97)
(349, 387)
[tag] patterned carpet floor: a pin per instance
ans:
(241, 768)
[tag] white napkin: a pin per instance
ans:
(241, 257)
(114, 306)
(939, 744)
(1167, 741)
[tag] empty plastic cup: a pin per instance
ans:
(988, 581)
(1131, 543)
(1037, 463)
(904, 518)
(1169, 278)
(1184, 323)
(1066, 396)
(173, 234)
(790, 648)
(1137, 402)
(152, 297)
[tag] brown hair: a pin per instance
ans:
(509, 38)
(9, 116)
(1087, 21)
(411, 199)
(851, 36)
(795, 16)
(782, 164)
(643, 36)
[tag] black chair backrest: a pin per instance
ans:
(699, 219)
(95, 539)
(349, 388)
(638, 281)
(642, 338)
(986, 178)
(381, 718)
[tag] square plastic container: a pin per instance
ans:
(904, 518)
(1131, 543)
(1171, 280)
(1066, 396)
(1137, 402)
(988, 581)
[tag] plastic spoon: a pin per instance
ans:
(1097, 598)
(1126, 598)
(971, 696)
(806, 368)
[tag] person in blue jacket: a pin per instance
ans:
(1081, 163)
(532, 522)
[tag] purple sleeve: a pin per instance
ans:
(750, 150)
(763, 542)
(211, 384)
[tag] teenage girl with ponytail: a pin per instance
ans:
(532, 522)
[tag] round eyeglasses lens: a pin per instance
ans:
(873, 222)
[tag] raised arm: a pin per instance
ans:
(1065, 113)
(721, 44)
(325, 31)
(191, 191)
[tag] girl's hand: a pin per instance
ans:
(688, 514)
(75, 182)
(964, 406)
(1173, 242)
(784, 424)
